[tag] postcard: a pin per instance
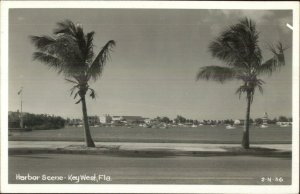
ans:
(149, 97)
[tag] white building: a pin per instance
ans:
(147, 120)
(239, 122)
(105, 119)
(265, 119)
(116, 118)
(128, 119)
(284, 123)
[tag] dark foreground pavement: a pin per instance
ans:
(147, 169)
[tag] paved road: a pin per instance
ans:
(151, 170)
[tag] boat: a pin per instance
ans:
(230, 127)
(284, 125)
(264, 126)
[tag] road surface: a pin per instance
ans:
(65, 168)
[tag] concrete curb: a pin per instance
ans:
(149, 152)
(132, 140)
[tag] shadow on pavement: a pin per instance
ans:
(32, 156)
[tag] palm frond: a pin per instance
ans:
(72, 81)
(68, 51)
(65, 27)
(216, 73)
(246, 89)
(250, 86)
(96, 68)
(81, 40)
(63, 48)
(89, 45)
(50, 60)
(93, 93)
(73, 89)
(78, 101)
(225, 51)
(84, 42)
(76, 94)
(274, 63)
(43, 43)
(242, 89)
(260, 89)
(238, 45)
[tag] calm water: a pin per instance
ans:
(202, 134)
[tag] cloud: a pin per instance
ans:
(214, 19)
(219, 19)
(259, 16)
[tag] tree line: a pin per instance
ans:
(35, 121)
(183, 120)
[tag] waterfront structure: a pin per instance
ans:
(239, 122)
(147, 120)
(265, 119)
(128, 119)
(93, 120)
(105, 119)
(284, 124)
(116, 118)
(75, 122)
(133, 119)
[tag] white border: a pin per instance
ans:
(295, 130)
(126, 188)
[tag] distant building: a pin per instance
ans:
(75, 122)
(116, 118)
(239, 122)
(133, 119)
(127, 119)
(147, 120)
(93, 120)
(265, 119)
(105, 119)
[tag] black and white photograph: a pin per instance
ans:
(145, 97)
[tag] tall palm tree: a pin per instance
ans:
(70, 52)
(238, 48)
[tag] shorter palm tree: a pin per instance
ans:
(70, 52)
(238, 48)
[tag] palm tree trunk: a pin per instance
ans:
(245, 141)
(88, 138)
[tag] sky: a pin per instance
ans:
(153, 66)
